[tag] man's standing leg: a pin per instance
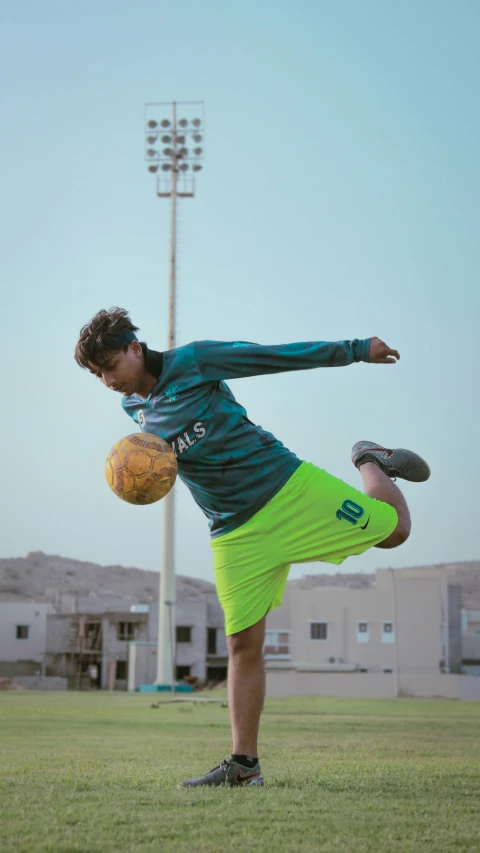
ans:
(246, 693)
(246, 687)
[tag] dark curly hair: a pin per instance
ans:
(100, 337)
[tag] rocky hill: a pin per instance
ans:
(49, 578)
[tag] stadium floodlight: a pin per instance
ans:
(151, 152)
(198, 151)
(152, 139)
(174, 181)
(153, 168)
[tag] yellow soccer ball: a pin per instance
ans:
(141, 468)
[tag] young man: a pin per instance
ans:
(266, 507)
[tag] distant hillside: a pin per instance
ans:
(47, 578)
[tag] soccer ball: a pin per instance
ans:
(141, 468)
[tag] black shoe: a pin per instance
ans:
(228, 773)
(394, 463)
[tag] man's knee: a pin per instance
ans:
(399, 535)
(247, 643)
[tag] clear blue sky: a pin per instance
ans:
(340, 199)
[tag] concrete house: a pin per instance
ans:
(23, 633)
(402, 636)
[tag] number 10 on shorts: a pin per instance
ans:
(350, 511)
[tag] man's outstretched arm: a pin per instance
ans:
(218, 360)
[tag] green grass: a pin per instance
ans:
(99, 772)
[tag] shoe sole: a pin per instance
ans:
(255, 783)
(401, 463)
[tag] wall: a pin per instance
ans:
(114, 649)
(342, 609)
(369, 685)
(33, 683)
(142, 664)
(193, 613)
(61, 633)
(31, 614)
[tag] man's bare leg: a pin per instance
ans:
(246, 692)
(378, 485)
(246, 687)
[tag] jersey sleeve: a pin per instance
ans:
(131, 413)
(218, 360)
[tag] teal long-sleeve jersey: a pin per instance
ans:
(231, 466)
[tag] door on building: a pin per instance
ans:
(216, 673)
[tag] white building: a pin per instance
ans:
(401, 637)
(23, 637)
(96, 635)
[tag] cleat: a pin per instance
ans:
(394, 463)
(228, 773)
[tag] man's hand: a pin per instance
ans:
(381, 354)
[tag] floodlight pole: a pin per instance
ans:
(177, 160)
(166, 604)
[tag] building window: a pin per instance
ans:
(122, 668)
(363, 632)
(388, 633)
(277, 644)
(182, 671)
(319, 631)
(211, 641)
(184, 633)
(387, 668)
(22, 632)
(126, 631)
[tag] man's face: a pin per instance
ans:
(122, 370)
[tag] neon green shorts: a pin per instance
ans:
(314, 517)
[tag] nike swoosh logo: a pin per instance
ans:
(241, 777)
(363, 526)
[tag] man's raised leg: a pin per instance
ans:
(377, 466)
(378, 485)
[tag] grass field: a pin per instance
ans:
(99, 772)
